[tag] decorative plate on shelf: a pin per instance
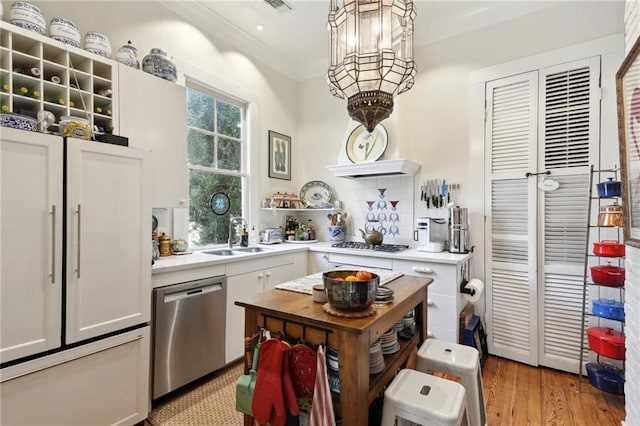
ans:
(316, 194)
(363, 146)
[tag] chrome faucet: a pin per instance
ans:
(233, 220)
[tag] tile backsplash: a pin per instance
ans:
(390, 201)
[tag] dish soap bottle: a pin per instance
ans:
(244, 238)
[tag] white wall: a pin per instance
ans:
(149, 24)
(430, 123)
(632, 266)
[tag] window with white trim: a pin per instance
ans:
(217, 148)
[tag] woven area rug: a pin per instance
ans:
(209, 401)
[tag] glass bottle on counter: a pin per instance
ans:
(244, 237)
(311, 230)
(165, 245)
(253, 236)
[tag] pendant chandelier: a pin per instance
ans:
(371, 55)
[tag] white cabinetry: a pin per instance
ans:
(31, 235)
(251, 277)
(444, 301)
(106, 218)
(108, 256)
(153, 115)
(71, 81)
(103, 383)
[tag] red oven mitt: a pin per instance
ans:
(273, 385)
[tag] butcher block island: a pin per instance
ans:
(298, 316)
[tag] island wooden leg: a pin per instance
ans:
(421, 318)
(353, 358)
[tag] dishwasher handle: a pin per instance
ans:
(192, 292)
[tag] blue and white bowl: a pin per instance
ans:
(159, 64)
(97, 43)
(64, 30)
(28, 16)
(17, 121)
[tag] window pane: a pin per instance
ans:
(229, 154)
(205, 227)
(200, 110)
(201, 148)
(229, 120)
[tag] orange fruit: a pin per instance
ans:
(364, 275)
(351, 278)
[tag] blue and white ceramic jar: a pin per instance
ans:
(128, 55)
(97, 43)
(159, 64)
(28, 16)
(65, 31)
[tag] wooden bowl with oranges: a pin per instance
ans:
(350, 290)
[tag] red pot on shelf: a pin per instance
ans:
(609, 248)
(607, 275)
(607, 342)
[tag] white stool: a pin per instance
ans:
(461, 361)
(424, 399)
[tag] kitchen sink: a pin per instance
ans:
(220, 252)
(252, 249)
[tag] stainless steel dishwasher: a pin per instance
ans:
(189, 332)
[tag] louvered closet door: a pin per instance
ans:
(545, 120)
(510, 225)
(568, 145)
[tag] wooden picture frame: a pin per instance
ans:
(279, 156)
(628, 98)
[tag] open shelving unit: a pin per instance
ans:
(69, 81)
(593, 291)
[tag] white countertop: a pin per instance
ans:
(197, 259)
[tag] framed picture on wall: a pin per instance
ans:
(279, 156)
(628, 97)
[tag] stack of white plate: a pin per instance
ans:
(332, 359)
(409, 321)
(376, 358)
(389, 342)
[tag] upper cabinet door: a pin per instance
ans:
(153, 115)
(31, 248)
(108, 238)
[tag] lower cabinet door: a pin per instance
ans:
(102, 383)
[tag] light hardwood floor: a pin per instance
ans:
(517, 394)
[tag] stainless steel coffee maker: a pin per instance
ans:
(458, 230)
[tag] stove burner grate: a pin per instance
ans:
(365, 246)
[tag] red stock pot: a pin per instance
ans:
(607, 342)
(608, 248)
(607, 275)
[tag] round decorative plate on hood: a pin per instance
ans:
(363, 147)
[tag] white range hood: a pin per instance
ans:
(375, 169)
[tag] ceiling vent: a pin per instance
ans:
(279, 5)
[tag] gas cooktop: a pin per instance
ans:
(365, 246)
